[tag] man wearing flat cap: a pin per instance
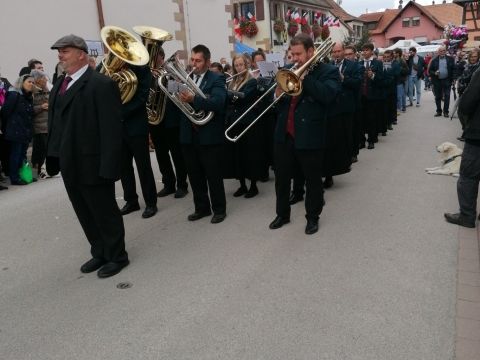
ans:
(84, 143)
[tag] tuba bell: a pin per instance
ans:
(153, 39)
(123, 48)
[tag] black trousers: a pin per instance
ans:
(205, 175)
(442, 89)
(166, 141)
(311, 162)
(371, 110)
(467, 184)
(100, 219)
(136, 147)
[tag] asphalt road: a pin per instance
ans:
(376, 282)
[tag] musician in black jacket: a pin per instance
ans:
(338, 156)
(135, 146)
(372, 90)
(300, 134)
(202, 144)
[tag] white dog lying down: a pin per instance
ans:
(450, 158)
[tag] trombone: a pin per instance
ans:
(289, 80)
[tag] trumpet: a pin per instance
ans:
(289, 80)
(172, 69)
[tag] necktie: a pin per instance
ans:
(63, 87)
(197, 80)
(291, 116)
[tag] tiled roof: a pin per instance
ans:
(386, 20)
(446, 13)
(339, 12)
(371, 17)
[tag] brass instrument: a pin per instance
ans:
(173, 70)
(153, 40)
(123, 48)
(289, 80)
(232, 77)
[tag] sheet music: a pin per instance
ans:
(267, 69)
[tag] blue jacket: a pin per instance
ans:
(17, 117)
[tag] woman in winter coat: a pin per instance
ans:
(17, 116)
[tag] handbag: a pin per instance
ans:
(25, 172)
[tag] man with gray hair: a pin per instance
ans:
(85, 144)
(441, 72)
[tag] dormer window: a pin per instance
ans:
(416, 21)
(406, 22)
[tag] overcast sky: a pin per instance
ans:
(357, 7)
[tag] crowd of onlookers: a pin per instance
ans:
(24, 121)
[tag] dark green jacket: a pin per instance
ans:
(212, 133)
(320, 89)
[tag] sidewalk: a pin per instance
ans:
(468, 295)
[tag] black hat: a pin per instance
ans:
(70, 41)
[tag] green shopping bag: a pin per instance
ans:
(25, 172)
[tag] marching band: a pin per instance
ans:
(307, 122)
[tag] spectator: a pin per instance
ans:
(17, 113)
(441, 72)
(33, 64)
(467, 185)
(40, 121)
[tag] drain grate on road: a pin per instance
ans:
(124, 285)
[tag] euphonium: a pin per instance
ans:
(173, 70)
(123, 48)
(153, 40)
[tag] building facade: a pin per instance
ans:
(189, 21)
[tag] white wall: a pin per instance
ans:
(207, 24)
(31, 27)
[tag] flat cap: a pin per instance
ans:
(70, 41)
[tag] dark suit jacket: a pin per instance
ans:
(434, 67)
(391, 77)
(320, 89)
(469, 107)
(352, 80)
(91, 141)
(237, 107)
(375, 85)
(212, 133)
(420, 66)
(135, 111)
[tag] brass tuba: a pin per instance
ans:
(173, 70)
(153, 39)
(123, 48)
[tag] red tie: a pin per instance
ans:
(291, 116)
(63, 87)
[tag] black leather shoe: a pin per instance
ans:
(92, 265)
(361, 145)
(3, 187)
(251, 193)
(198, 215)
(180, 193)
(295, 198)
(165, 192)
(218, 218)
(19, 182)
(446, 115)
(459, 219)
(437, 114)
(129, 207)
(371, 145)
(354, 159)
(384, 134)
(149, 211)
(328, 183)
(111, 268)
(278, 222)
(312, 227)
(390, 127)
(242, 190)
